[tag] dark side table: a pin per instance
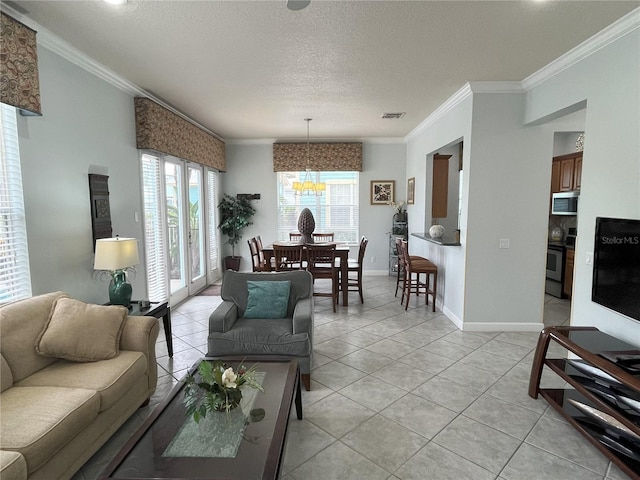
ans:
(157, 310)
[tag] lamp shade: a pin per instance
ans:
(116, 253)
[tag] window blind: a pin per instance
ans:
(337, 210)
(212, 200)
(154, 229)
(15, 279)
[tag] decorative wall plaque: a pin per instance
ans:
(100, 209)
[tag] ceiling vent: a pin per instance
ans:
(393, 116)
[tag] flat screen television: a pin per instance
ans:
(616, 267)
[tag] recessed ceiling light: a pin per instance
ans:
(115, 2)
(393, 116)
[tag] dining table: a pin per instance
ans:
(342, 252)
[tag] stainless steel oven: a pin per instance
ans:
(555, 264)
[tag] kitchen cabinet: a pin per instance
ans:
(566, 172)
(555, 177)
(440, 186)
(598, 402)
(577, 172)
(567, 285)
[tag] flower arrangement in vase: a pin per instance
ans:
(218, 389)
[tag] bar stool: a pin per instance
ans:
(418, 265)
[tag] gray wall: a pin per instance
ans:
(87, 126)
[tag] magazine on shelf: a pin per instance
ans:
(608, 423)
(594, 372)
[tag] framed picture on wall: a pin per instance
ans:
(411, 190)
(382, 191)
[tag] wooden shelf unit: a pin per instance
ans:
(585, 343)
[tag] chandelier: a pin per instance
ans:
(307, 186)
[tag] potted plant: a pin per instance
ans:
(235, 215)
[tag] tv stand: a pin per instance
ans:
(586, 343)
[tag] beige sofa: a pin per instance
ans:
(56, 413)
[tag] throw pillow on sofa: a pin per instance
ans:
(82, 332)
(267, 299)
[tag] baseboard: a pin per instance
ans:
(451, 316)
(501, 327)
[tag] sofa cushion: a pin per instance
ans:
(110, 378)
(6, 377)
(12, 466)
(39, 421)
(20, 324)
(253, 336)
(82, 332)
(267, 299)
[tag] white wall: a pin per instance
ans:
(509, 173)
(608, 81)
(250, 170)
(86, 124)
(450, 128)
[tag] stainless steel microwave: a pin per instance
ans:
(565, 203)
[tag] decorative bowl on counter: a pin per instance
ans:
(436, 231)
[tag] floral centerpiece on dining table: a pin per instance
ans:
(218, 388)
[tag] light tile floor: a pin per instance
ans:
(404, 395)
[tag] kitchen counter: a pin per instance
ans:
(445, 241)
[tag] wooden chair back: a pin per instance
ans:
(288, 257)
(295, 236)
(321, 258)
(322, 237)
(256, 263)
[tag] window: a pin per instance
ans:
(337, 210)
(15, 279)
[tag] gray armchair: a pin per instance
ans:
(230, 333)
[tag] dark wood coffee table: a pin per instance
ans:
(257, 452)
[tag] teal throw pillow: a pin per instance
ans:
(267, 299)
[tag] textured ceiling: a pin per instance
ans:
(253, 70)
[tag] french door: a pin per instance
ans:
(184, 202)
(178, 249)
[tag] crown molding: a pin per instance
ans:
(441, 111)
(613, 32)
(496, 87)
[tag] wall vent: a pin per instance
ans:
(393, 116)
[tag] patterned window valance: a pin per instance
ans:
(19, 81)
(163, 131)
(292, 157)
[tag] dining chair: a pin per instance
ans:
(258, 264)
(322, 237)
(261, 253)
(418, 265)
(321, 260)
(400, 269)
(354, 284)
(295, 236)
(288, 257)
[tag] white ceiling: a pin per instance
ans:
(254, 69)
